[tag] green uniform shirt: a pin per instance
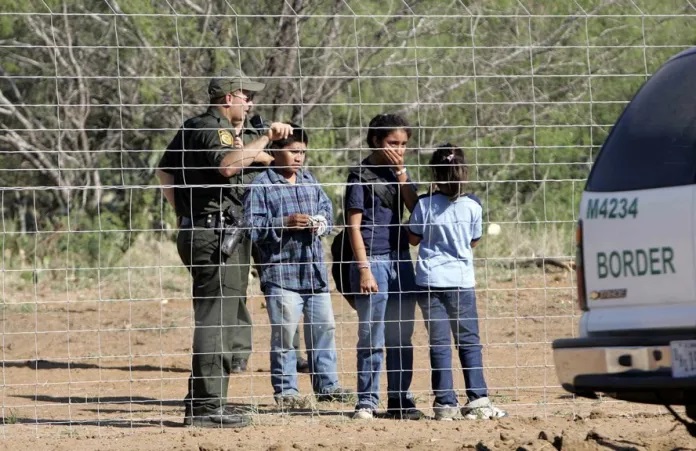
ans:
(193, 157)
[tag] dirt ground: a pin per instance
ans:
(101, 362)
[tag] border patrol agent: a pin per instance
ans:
(203, 173)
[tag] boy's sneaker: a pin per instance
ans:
(363, 413)
(445, 412)
(285, 402)
(337, 394)
(482, 409)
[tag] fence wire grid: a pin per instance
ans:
(97, 319)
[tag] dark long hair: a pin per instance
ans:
(382, 125)
(449, 170)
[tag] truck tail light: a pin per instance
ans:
(580, 268)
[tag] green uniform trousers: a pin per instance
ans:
(222, 330)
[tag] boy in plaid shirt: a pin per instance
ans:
(288, 212)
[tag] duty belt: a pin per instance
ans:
(209, 221)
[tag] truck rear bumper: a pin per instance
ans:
(631, 368)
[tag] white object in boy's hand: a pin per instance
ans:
(318, 223)
(494, 229)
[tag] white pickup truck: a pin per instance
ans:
(636, 252)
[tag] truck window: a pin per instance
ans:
(653, 144)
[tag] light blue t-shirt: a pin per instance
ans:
(446, 229)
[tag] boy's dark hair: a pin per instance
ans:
(383, 124)
(298, 136)
(449, 169)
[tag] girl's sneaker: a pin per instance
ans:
(482, 409)
(445, 412)
(363, 413)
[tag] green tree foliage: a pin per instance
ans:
(91, 92)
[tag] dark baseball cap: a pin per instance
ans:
(230, 80)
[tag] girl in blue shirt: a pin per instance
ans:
(447, 224)
(382, 276)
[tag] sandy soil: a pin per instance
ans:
(101, 362)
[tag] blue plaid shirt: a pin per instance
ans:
(290, 259)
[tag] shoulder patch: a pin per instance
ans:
(226, 138)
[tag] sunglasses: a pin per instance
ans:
(246, 96)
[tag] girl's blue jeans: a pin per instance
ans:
(386, 319)
(447, 313)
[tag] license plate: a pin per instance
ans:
(683, 358)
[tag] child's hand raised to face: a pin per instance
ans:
(393, 148)
(394, 157)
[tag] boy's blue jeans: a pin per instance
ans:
(453, 311)
(386, 319)
(285, 309)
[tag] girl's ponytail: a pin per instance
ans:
(449, 170)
